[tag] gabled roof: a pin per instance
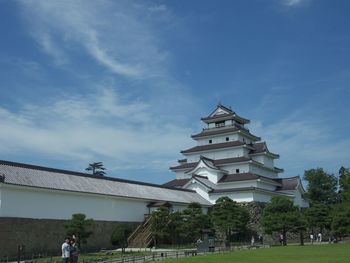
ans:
(55, 179)
(217, 162)
(213, 146)
(202, 180)
(209, 163)
(225, 114)
(290, 183)
(261, 148)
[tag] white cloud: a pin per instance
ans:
(133, 122)
(292, 3)
(96, 126)
(117, 34)
(49, 47)
(304, 141)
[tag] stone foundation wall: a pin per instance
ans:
(46, 236)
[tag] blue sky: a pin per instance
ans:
(126, 82)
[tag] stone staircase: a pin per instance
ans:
(142, 236)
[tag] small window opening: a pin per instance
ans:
(227, 139)
(219, 124)
(210, 141)
(237, 171)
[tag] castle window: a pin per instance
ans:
(210, 141)
(237, 171)
(227, 139)
(219, 124)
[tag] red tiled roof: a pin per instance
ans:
(213, 146)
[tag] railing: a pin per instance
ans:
(152, 256)
(156, 256)
(141, 237)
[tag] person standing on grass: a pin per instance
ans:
(65, 251)
(311, 238)
(252, 241)
(74, 251)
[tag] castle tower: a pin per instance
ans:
(230, 161)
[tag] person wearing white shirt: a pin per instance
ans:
(65, 251)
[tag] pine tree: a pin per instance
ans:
(97, 168)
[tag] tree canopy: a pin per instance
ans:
(318, 216)
(97, 168)
(195, 221)
(120, 235)
(281, 215)
(185, 226)
(322, 186)
(79, 226)
(344, 184)
(160, 220)
(229, 217)
(341, 219)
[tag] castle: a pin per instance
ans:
(230, 161)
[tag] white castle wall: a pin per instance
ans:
(266, 160)
(217, 154)
(219, 139)
(253, 168)
(27, 202)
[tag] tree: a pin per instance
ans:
(318, 216)
(341, 219)
(229, 217)
(321, 186)
(120, 235)
(282, 216)
(96, 168)
(344, 184)
(80, 227)
(160, 219)
(175, 227)
(194, 221)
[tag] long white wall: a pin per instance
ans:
(26, 202)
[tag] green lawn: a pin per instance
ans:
(335, 253)
(91, 257)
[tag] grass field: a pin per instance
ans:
(335, 253)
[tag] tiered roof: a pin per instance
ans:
(225, 130)
(283, 184)
(214, 146)
(222, 113)
(218, 162)
(260, 148)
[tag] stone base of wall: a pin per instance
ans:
(45, 236)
